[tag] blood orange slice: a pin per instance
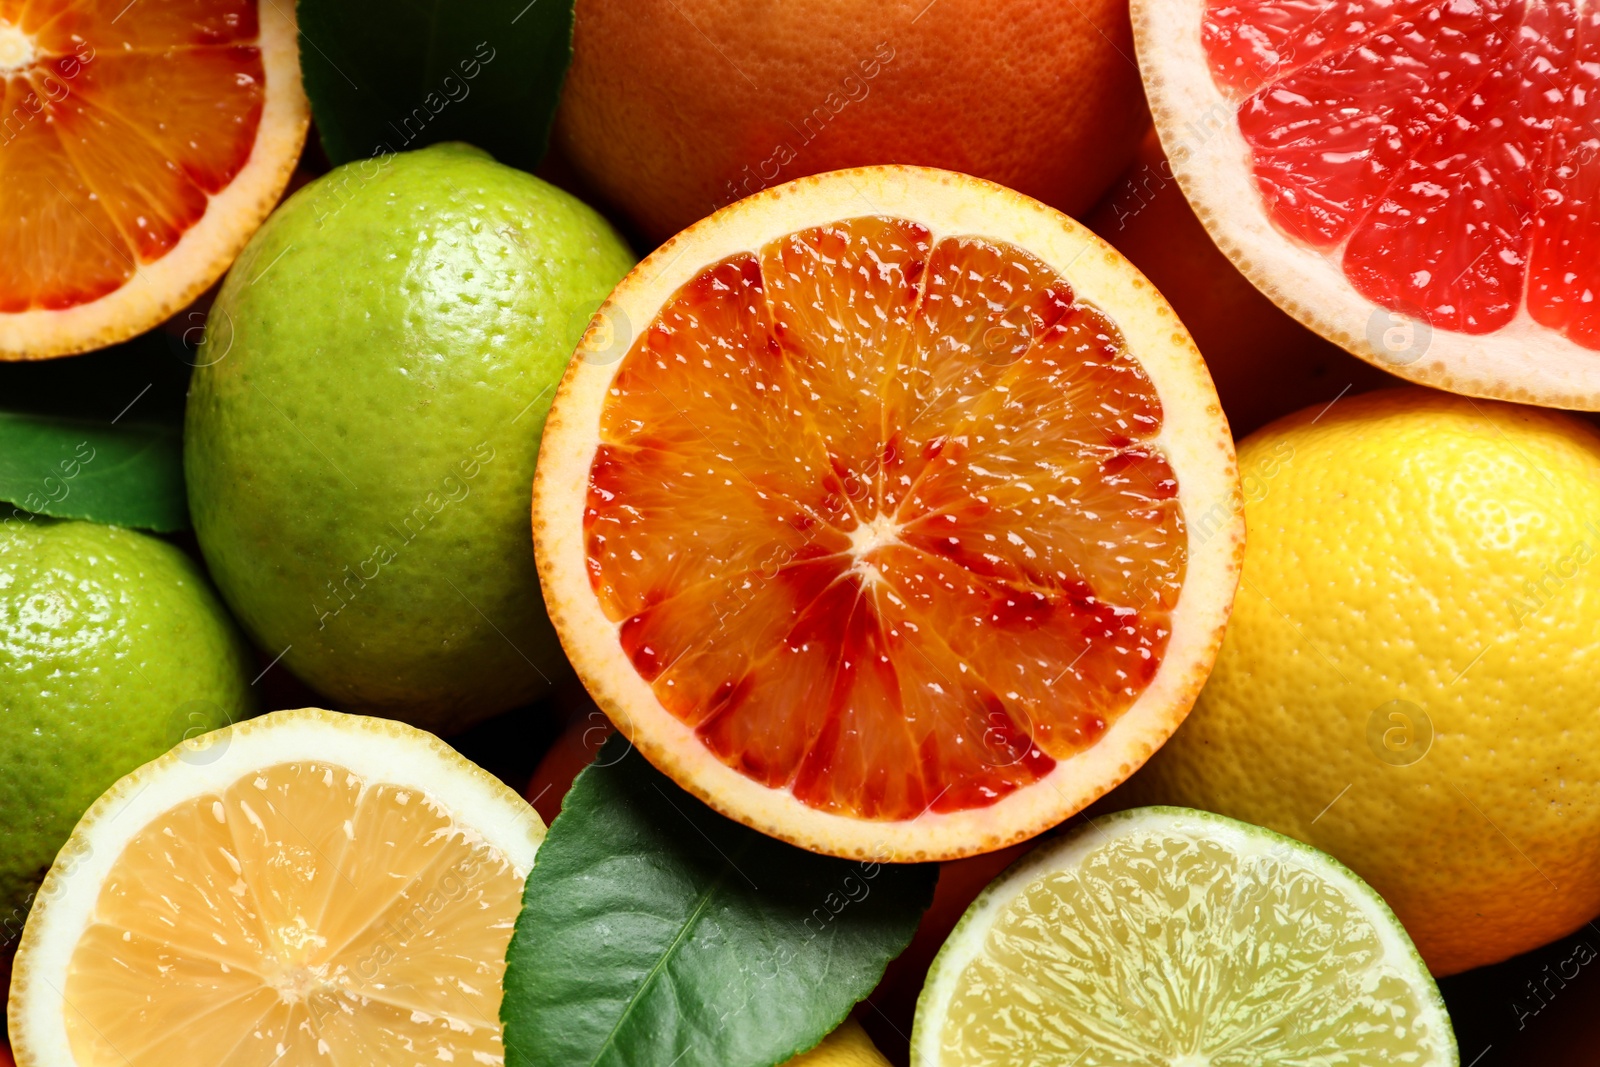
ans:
(890, 512)
(1415, 179)
(141, 144)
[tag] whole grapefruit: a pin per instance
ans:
(1264, 363)
(673, 108)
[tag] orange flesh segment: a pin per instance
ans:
(114, 134)
(1441, 151)
(884, 519)
(347, 922)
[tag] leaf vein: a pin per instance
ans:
(689, 924)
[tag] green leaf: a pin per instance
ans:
(387, 77)
(655, 931)
(123, 475)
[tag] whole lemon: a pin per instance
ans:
(113, 649)
(848, 1046)
(1409, 678)
(362, 430)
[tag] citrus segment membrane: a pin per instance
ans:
(1443, 153)
(885, 519)
(302, 915)
(1163, 942)
(116, 127)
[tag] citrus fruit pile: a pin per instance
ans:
(808, 608)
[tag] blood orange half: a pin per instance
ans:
(890, 512)
(141, 144)
(1415, 179)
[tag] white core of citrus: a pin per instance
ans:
(880, 531)
(17, 49)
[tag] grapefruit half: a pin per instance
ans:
(141, 144)
(890, 512)
(1416, 180)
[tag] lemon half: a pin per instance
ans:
(303, 888)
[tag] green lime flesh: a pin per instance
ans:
(1162, 937)
(113, 649)
(362, 431)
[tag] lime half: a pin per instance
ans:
(1164, 937)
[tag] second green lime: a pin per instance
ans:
(113, 649)
(363, 426)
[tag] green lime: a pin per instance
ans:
(1165, 937)
(113, 649)
(362, 430)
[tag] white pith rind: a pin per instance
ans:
(380, 751)
(1199, 133)
(967, 941)
(159, 289)
(1194, 438)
